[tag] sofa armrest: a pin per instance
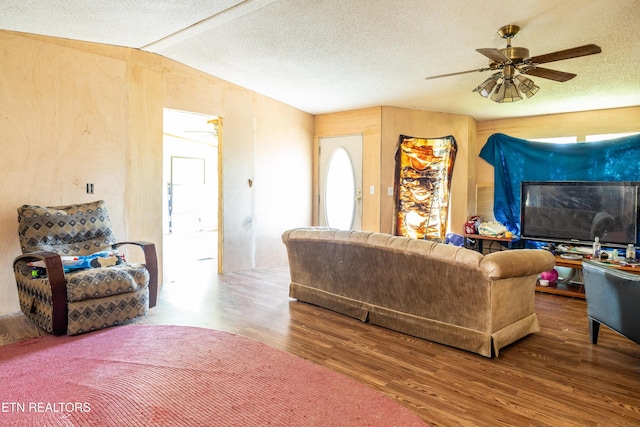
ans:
(517, 263)
(58, 284)
(151, 263)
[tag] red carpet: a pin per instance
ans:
(171, 376)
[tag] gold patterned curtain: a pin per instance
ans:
(424, 167)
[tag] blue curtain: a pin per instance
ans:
(515, 160)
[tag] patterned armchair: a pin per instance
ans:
(61, 296)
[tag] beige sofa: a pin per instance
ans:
(442, 293)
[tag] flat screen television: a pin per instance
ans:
(578, 211)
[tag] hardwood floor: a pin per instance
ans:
(552, 378)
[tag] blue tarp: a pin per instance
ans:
(515, 160)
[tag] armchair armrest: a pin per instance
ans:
(58, 283)
(151, 262)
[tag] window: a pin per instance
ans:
(557, 140)
(340, 194)
(605, 136)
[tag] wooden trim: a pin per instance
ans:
(151, 264)
(58, 284)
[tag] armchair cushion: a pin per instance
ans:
(79, 229)
(101, 282)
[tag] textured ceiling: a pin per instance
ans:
(332, 55)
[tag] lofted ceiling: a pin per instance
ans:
(325, 56)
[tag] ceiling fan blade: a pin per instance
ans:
(576, 52)
(479, 70)
(495, 55)
(545, 73)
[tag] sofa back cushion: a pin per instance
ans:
(433, 250)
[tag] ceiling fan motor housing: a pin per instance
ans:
(516, 54)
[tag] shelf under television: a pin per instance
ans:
(568, 287)
(575, 290)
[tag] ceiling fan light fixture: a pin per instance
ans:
(485, 88)
(511, 93)
(527, 86)
(508, 92)
(497, 95)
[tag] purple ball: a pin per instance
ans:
(551, 275)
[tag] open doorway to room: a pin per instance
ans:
(191, 194)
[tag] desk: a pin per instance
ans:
(567, 287)
(480, 238)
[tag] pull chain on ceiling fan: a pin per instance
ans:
(513, 63)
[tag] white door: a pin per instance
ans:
(340, 182)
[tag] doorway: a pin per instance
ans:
(340, 182)
(190, 196)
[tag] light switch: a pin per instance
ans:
(389, 191)
(372, 190)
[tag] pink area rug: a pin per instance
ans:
(172, 376)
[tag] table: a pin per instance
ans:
(491, 239)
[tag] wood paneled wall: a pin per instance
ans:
(381, 127)
(75, 112)
(472, 184)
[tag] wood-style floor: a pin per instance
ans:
(551, 378)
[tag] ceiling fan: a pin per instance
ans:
(513, 63)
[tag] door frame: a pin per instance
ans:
(216, 122)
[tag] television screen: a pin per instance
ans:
(578, 211)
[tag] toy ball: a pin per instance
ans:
(551, 275)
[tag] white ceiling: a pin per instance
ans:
(333, 55)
